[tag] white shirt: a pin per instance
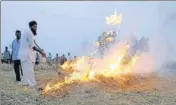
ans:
(26, 47)
(69, 58)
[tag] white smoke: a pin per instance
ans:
(162, 41)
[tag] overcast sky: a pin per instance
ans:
(71, 26)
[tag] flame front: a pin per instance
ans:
(87, 68)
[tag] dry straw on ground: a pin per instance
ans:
(153, 90)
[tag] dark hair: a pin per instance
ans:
(18, 31)
(31, 23)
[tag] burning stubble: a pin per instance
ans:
(112, 68)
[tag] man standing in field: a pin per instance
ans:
(2, 58)
(27, 53)
(16, 60)
(63, 59)
(57, 61)
(49, 57)
(69, 58)
(7, 56)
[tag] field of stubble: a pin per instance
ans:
(153, 90)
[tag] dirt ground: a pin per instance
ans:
(153, 90)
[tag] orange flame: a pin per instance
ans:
(86, 68)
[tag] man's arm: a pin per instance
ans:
(37, 45)
(37, 49)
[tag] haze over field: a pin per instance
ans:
(73, 26)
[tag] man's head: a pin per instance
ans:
(6, 48)
(114, 33)
(18, 34)
(68, 54)
(57, 54)
(33, 27)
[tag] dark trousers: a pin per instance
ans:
(18, 69)
(2, 61)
